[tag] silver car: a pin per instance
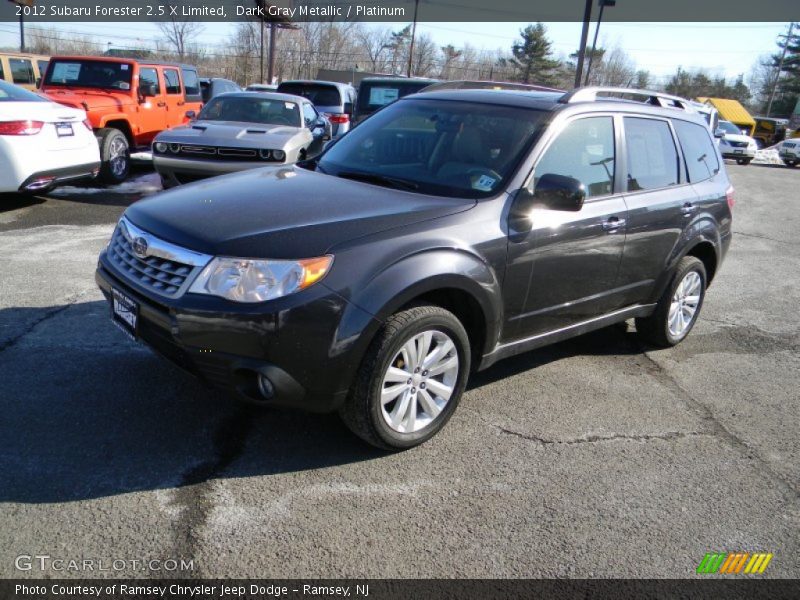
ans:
(238, 131)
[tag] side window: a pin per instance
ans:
(190, 82)
(148, 75)
(698, 150)
(21, 70)
(652, 156)
(584, 151)
(309, 115)
(42, 67)
(2, 73)
(172, 81)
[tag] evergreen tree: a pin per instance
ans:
(787, 91)
(532, 56)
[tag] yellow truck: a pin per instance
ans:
(733, 111)
(25, 70)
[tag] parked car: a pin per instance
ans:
(335, 101)
(238, 131)
(735, 144)
(24, 70)
(128, 102)
(261, 87)
(789, 151)
(42, 144)
(444, 233)
(214, 86)
(376, 92)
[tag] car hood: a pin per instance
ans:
(215, 133)
(89, 99)
(732, 137)
(281, 212)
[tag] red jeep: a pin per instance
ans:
(127, 101)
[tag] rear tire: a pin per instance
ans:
(398, 401)
(678, 308)
(743, 161)
(115, 156)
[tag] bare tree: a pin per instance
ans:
(374, 45)
(180, 35)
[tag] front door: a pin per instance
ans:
(152, 114)
(568, 263)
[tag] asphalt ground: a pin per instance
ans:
(592, 458)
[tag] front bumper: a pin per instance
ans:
(789, 154)
(177, 171)
(294, 341)
(729, 152)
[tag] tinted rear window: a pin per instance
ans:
(21, 70)
(698, 150)
(375, 95)
(652, 156)
(318, 94)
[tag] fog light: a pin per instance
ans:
(265, 387)
(161, 147)
(174, 148)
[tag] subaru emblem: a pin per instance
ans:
(140, 247)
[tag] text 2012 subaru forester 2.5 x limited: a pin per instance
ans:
(447, 231)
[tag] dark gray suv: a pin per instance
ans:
(446, 232)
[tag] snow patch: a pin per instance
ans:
(148, 183)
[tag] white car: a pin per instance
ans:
(789, 151)
(734, 144)
(42, 144)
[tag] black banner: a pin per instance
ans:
(384, 589)
(40, 11)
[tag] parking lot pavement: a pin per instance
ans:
(589, 458)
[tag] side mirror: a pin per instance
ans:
(191, 115)
(719, 133)
(555, 192)
(147, 90)
(318, 132)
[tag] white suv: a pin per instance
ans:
(789, 151)
(734, 144)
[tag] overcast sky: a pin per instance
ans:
(726, 49)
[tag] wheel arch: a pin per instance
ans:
(122, 125)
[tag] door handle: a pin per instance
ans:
(181, 103)
(161, 104)
(613, 223)
(687, 210)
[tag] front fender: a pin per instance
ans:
(415, 276)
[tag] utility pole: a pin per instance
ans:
(261, 50)
(603, 4)
(23, 4)
(587, 16)
(413, 35)
(780, 68)
(273, 30)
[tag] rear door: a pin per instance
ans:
(565, 270)
(660, 202)
(174, 97)
(193, 95)
(152, 111)
(22, 72)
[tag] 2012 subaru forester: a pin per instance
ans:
(446, 232)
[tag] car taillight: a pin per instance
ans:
(20, 127)
(729, 196)
(338, 119)
(88, 124)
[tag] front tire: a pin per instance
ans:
(743, 161)
(411, 379)
(115, 156)
(678, 308)
(791, 163)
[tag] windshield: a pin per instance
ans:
(445, 148)
(374, 95)
(729, 127)
(90, 73)
(12, 93)
(319, 95)
(264, 111)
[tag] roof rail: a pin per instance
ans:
(589, 94)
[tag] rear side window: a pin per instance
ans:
(42, 66)
(2, 73)
(583, 151)
(172, 81)
(652, 156)
(191, 83)
(21, 70)
(698, 150)
(149, 76)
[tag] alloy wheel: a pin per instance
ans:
(685, 302)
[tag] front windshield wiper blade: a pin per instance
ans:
(385, 180)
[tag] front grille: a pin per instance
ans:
(738, 144)
(238, 153)
(162, 276)
(221, 154)
(788, 144)
(203, 150)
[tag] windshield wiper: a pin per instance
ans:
(385, 180)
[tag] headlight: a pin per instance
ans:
(174, 148)
(265, 154)
(247, 280)
(278, 154)
(160, 147)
